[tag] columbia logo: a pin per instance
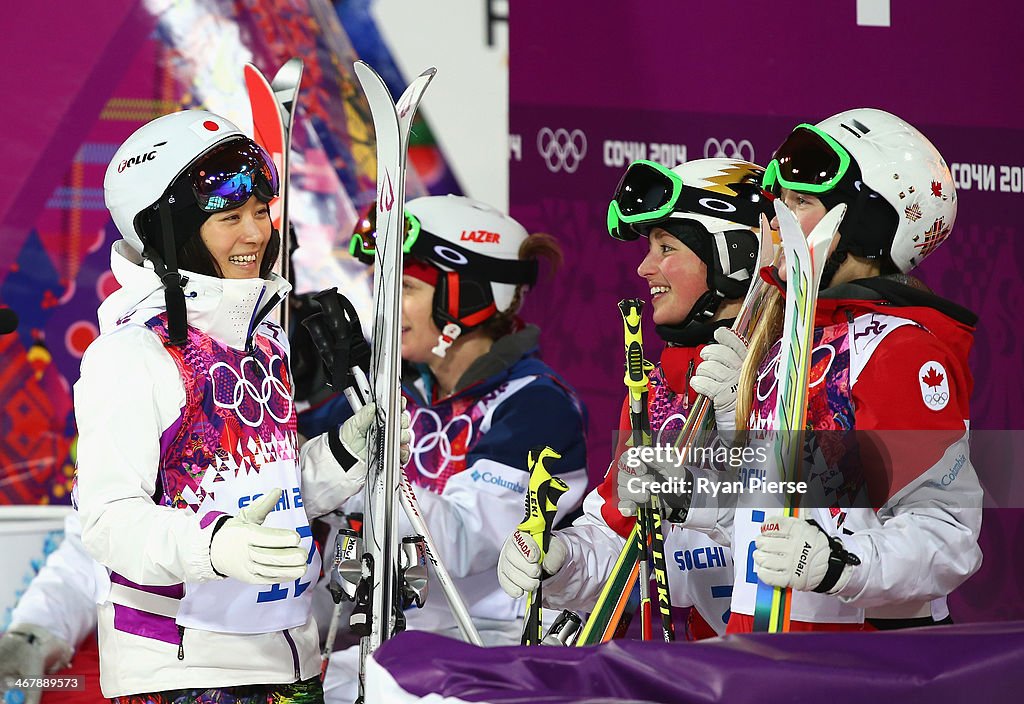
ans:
(476, 476)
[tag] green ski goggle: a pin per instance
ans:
(809, 161)
(363, 245)
(648, 191)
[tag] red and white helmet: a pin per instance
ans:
(462, 226)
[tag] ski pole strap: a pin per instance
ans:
(541, 505)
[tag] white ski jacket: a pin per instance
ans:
(154, 539)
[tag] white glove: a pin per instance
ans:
(718, 378)
(635, 477)
(30, 651)
(518, 571)
(355, 430)
(800, 555)
(244, 549)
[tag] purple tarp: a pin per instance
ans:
(981, 663)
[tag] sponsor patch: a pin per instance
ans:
(934, 385)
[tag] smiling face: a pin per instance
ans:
(419, 333)
(676, 275)
(237, 238)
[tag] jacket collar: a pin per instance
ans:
(228, 310)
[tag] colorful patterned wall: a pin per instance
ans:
(82, 87)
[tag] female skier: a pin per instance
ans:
(191, 490)
(892, 525)
(480, 399)
(700, 220)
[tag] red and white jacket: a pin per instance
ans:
(889, 361)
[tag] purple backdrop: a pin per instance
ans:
(592, 88)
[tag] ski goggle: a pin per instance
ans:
(228, 175)
(809, 161)
(363, 245)
(648, 191)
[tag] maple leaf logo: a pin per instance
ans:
(933, 379)
(936, 189)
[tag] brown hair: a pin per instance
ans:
(534, 248)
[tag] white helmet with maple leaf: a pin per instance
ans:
(909, 204)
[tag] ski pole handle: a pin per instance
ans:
(636, 370)
(541, 505)
(650, 539)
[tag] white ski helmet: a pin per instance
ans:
(462, 227)
(714, 206)
(468, 250)
(168, 177)
(155, 156)
(909, 204)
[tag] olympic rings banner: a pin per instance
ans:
(592, 89)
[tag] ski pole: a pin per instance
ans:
(648, 516)
(541, 499)
(412, 509)
(608, 615)
(338, 322)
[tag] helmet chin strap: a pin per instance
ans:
(702, 311)
(453, 297)
(173, 281)
(832, 264)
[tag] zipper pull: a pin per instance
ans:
(181, 642)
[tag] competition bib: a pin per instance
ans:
(231, 606)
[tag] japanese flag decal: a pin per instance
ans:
(934, 385)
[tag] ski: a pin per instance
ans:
(285, 86)
(391, 124)
(338, 336)
(612, 604)
(805, 260)
(273, 111)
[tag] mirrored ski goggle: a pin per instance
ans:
(648, 191)
(809, 161)
(363, 245)
(231, 173)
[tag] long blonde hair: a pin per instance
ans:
(767, 330)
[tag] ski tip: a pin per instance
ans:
(825, 231)
(429, 71)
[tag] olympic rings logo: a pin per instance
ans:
(937, 398)
(729, 149)
(270, 386)
(768, 379)
(437, 441)
(562, 149)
